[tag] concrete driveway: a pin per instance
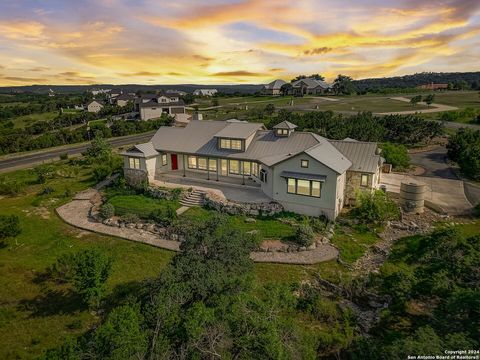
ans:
(448, 194)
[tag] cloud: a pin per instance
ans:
(140, 74)
(317, 51)
(23, 79)
(238, 73)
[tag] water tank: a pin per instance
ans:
(412, 197)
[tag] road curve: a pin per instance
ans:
(14, 162)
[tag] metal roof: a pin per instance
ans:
(153, 103)
(143, 150)
(275, 84)
(297, 175)
(328, 155)
(363, 155)
(239, 130)
(285, 125)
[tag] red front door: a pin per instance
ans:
(174, 161)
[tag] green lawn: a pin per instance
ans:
(267, 228)
(22, 121)
(139, 205)
(353, 242)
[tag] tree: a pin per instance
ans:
(43, 172)
(415, 100)
(429, 99)
(343, 85)
(464, 148)
(298, 77)
(121, 336)
(9, 226)
(396, 155)
(269, 109)
(99, 149)
(317, 77)
(215, 102)
(91, 269)
(375, 207)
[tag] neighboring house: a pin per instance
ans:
(96, 92)
(177, 92)
(273, 88)
(433, 86)
(309, 86)
(123, 99)
(304, 172)
(205, 92)
(95, 106)
(152, 106)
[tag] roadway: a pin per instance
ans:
(25, 160)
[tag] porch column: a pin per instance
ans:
(243, 172)
(208, 168)
(218, 166)
(183, 162)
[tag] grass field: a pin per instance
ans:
(267, 228)
(139, 205)
(22, 121)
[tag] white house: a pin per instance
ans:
(95, 106)
(205, 92)
(152, 106)
(273, 88)
(303, 171)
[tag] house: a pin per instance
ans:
(273, 88)
(205, 92)
(303, 171)
(433, 86)
(152, 106)
(177, 92)
(96, 92)
(123, 99)
(309, 86)
(95, 106)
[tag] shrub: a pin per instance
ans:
(107, 211)
(62, 269)
(318, 224)
(11, 187)
(101, 172)
(175, 193)
(64, 156)
(9, 226)
(46, 190)
(164, 215)
(476, 210)
(396, 155)
(304, 235)
(130, 218)
(43, 173)
(376, 206)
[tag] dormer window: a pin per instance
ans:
(231, 144)
(284, 129)
(282, 132)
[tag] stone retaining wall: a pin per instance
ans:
(135, 177)
(234, 208)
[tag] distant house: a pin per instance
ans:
(205, 92)
(433, 86)
(123, 99)
(178, 92)
(303, 171)
(51, 93)
(95, 106)
(96, 92)
(152, 106)
(309, 86)
(273, 88)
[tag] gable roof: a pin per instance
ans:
(311, 83)
(285, 125)
(126, 97)
(329, 155)
(100, 102)
(239, 130)
(275, 85)
(363, 155)
(153, 103)
(143, 150)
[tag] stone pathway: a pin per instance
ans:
(77, 213)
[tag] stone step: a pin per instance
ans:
(191, 203)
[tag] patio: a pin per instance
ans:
(230, 188)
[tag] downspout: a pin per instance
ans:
(183, 162)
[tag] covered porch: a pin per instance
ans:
(231, 188)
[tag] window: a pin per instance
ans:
(134, 163)
(291, 186)
(263, 176)
(282, 132)
(247, 168)
(234, 167)
(364, 180)
(304, 163)
(236, 144)
(225, 144)
(212, 164)
(192, 162)
(202, 163)
(304, 187)
(164, 159)
(254, 169)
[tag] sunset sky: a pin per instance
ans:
(232, 41)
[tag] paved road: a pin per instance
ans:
(434, 162)
(13, 162)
